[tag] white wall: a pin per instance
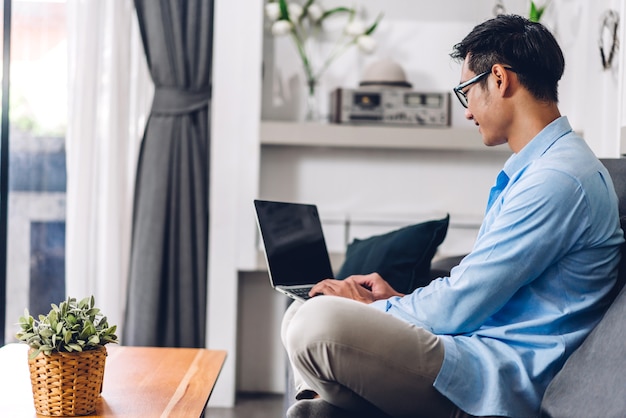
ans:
(390, 188)
(234, 163)
(358, 183)
(395, 187)
(595, 90)
(417, 35)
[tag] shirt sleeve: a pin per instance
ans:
(539, 218)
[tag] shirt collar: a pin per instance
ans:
(538, 145)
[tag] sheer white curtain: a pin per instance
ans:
(109, 99)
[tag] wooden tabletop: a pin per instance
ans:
(138, 382)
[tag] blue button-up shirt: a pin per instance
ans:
(533, 286)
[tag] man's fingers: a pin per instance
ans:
(322, 287)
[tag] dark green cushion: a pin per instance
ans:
(402, 257)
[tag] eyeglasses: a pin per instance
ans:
(462, 95)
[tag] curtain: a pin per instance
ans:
(109, 97)
(167, 290)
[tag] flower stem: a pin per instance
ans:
(305, 61)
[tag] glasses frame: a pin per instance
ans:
(462, 96)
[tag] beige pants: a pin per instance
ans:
(358, 358)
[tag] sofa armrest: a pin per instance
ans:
(593, 380)
(442, 266)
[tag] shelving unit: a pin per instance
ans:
(372, 136)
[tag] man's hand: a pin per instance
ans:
(366, 288)
(377, 285)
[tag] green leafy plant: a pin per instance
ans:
(69, 327)
(537, 11)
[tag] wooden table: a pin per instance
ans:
(138, 382)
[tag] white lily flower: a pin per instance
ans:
(366, 43)
(355, 28)
(281, 27)
(315, 12)
(272, 11)
(295, 11)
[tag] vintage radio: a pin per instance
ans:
(393, 106)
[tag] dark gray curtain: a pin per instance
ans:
(168, 268)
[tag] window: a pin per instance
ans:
(35, 269)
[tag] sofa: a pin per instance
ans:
(592, 382)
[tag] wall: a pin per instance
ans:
(417, 35)
(370, 183)
(359, 183)
(376, 190)
(420, 35)
(233, 171)
(595, 90)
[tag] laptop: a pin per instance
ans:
(295, 249)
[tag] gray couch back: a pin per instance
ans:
(593, 381)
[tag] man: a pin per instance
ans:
(487, 340)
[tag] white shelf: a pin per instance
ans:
(372, 136)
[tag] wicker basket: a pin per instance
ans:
(67, 384)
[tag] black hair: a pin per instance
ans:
(528, 47)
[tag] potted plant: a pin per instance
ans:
(67, 355)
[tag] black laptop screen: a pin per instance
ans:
(294, 242)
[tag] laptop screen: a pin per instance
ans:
(294, 243)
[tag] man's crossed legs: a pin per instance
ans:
(359, 359)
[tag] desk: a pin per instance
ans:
(138, 382)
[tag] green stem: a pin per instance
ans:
(305, 61)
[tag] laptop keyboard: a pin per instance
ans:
(303, 292)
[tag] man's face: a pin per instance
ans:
(484, 107)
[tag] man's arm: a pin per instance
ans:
(542, 219)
